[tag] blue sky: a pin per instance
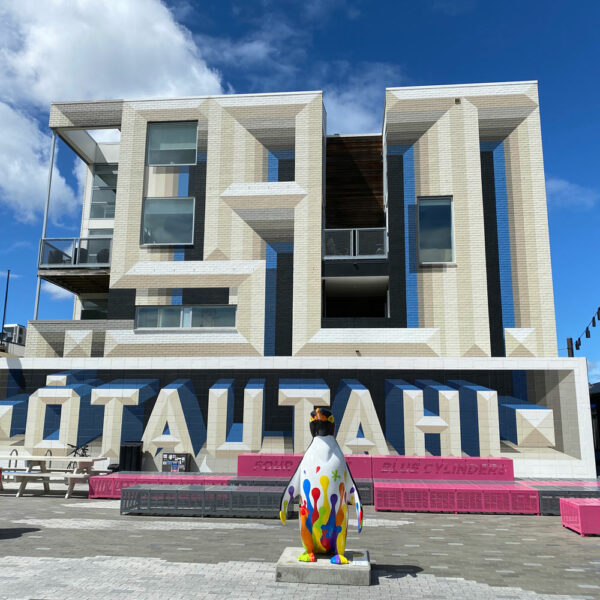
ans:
(73, 50)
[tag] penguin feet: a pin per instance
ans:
(339, 559)
(308, 557)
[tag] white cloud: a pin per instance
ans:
(24, 160)
(566, 194)
(268, 57)
(55, 292)
(80, 171)
(594, 371)
(12, 275)
(355, 103)
(79, 50)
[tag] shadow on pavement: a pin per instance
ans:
(380, 571)
(15, 532)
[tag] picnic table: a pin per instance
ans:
(38, 468)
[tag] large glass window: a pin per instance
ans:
(104, 192)
(168, 221)
(185, 317)
(172, 143)
(435, 230)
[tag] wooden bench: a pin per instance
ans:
(78, 469)
(70, 478)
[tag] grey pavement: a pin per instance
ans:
(59, 549)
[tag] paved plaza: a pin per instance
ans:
(59, 549)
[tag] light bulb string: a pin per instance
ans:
(587, 327)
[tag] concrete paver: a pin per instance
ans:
(57, 549)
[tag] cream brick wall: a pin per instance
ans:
(444, 124)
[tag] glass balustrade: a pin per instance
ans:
(185, 317)
(351, 243)
(75, 252)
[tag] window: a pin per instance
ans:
(94, 309)
(105, 233)
(172, 143)
(435, 230)
(104, 192)
(168, 221)
(185, 317)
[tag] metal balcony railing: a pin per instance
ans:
(355, 243)
(66, 253)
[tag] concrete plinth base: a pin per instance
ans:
(357, 572)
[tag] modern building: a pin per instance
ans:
(236, 265)
(15, 333)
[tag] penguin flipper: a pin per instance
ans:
(357, 504)
(290, 491)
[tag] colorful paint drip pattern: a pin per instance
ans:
(324, 520)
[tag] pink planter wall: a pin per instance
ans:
(268, 465)
(440, 467)
(581, 515)
(455, 497)
(364, 466)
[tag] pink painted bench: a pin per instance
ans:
(581, 515)
(364, 466)
(456, 497)
(268, 465)
(284, 465)
(110, 486)
(441, 467)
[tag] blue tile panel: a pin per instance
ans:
(132, 426)
(235, 431)
(431, 407)
(519, 379)
(469, 415)
(91, 417)
(410, 232)
(191, 410)
(18, 420)
(394, 412)
(270, 299)
(340, 402)
(271, 253)
(302, 384)
(274, 157)
(183, 182)
(273, 168)
(52, 422)
(507, 414)
(503, 229)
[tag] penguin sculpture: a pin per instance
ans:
(325, 486)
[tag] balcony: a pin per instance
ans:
(185, 317)
(79, 265)
(66, 253)
(355, 243)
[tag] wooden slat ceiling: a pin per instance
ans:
(354, 182)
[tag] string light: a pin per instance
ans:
(585, 332)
